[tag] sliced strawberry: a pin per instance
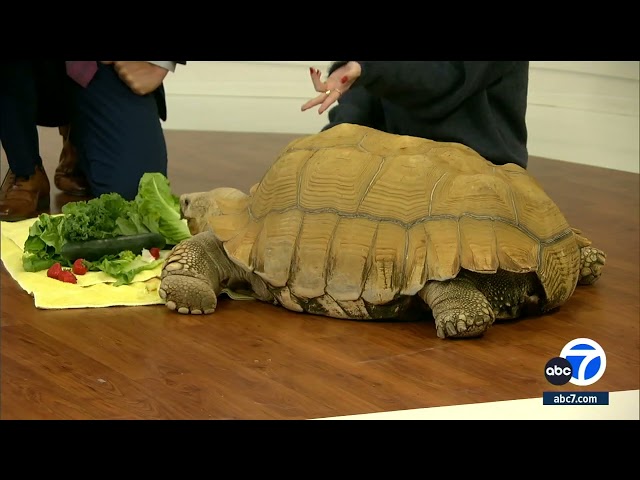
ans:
(67, 276)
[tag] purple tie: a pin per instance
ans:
(82, 72)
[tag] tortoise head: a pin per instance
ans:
(194, 208)
(211, 210)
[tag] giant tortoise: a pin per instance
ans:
(356, 223)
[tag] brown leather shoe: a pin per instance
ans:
(67, 177)
(22, 198)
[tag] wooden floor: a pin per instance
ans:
(256, 361)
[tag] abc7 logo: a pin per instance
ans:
(581, 362)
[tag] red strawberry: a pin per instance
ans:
(54, 270)
(79, 268)
(67, 276)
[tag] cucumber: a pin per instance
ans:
(94, 249)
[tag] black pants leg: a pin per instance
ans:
(118, 134)
(18, 111)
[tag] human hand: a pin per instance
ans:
(336, 84)
(141, 77)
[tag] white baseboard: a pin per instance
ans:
(582, 112)
(590, 138)
(241, 114)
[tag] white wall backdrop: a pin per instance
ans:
(582, 112)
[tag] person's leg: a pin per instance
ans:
(67, 177)
(117, 135)
(25, 189)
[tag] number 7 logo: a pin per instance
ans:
(587, 359)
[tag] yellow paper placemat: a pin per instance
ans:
(93, 289)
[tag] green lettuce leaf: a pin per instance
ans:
(160, 208)
(125, 266)
(42, 247)
(106, 216)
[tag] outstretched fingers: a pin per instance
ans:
(325, 100)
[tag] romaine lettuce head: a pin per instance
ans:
(160, 208)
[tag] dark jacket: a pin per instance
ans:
(479, 104)
(54, 101)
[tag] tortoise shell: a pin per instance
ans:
(363, 215)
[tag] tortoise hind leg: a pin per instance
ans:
(192, 275)
(591, 259)
(459, 308)
(591, 262)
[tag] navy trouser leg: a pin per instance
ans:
(18, 117)
(117, 134)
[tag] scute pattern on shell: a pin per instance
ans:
(355, 213)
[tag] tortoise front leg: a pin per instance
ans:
(193, 275)
(459, 308)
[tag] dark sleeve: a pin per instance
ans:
(357, 106)
(431, 90)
